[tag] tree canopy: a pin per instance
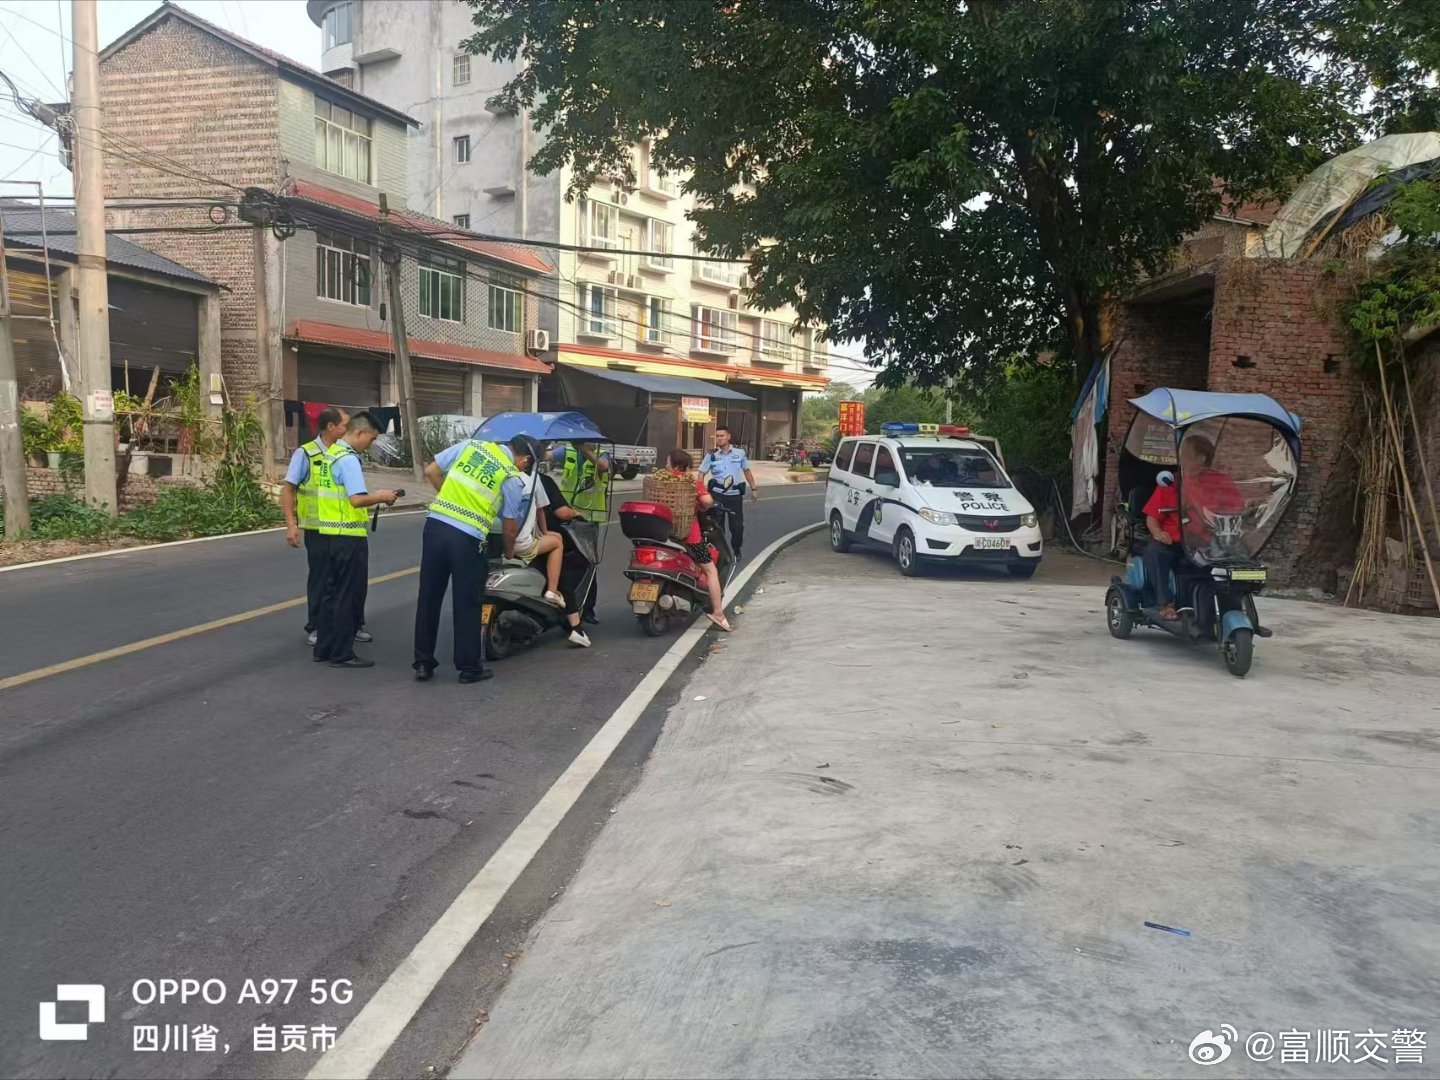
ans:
(956, 183)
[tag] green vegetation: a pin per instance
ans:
(959, 184)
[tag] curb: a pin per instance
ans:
(369, 1036)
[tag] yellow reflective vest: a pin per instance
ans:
(585, 487)
(334, 516)
(471, 492)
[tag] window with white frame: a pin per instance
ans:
(342, 268)
(654, 321)
(461, 221)
(442, 289)
(668, 183)
(598, 311)
(714, 329)
(659, 237)
(460, 70)
(505, 308)
(774, 340)
(602, 224)
(462, 149)
(722, 273)
(342, 141)
(339, 25)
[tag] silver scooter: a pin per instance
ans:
(515, 613)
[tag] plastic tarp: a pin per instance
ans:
(1339, 180)
(544, 427)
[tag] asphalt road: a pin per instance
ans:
(218, 807)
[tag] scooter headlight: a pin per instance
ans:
(938, 517)
(1028, 521)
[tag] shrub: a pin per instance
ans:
(64, 517)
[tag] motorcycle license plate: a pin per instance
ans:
(1247, 575)
(992, 542)
(645, 590)
(487, 613)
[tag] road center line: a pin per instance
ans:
(174, 635)
(369, 1036)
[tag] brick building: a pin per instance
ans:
(193, 111)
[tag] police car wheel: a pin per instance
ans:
(839, 542)
(905, 555)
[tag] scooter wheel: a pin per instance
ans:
(654, 622)
(1239, 652)
(499, 643)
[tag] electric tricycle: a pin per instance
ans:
(1229, 464)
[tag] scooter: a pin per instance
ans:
(666, 584)
(514, 613)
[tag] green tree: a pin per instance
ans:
(904, 403)
(952, 182)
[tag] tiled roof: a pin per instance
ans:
(346, 337)
(23, 230)
(514, 254)
(269, 56)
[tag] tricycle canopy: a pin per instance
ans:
(1235, 458)
(541, 426)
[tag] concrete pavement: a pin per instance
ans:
(217, 806)
(917, 828)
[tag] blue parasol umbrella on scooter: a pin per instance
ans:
(1234, 460)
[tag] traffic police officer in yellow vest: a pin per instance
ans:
(585, 483)
(297, 502)
(479, 483)
(341, 500)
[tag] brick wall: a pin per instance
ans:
(183, 94)
(1277, 331)
(1160, 345)
(138, 490)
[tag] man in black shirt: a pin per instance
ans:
(575, 568)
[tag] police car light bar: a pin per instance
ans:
(896, 428)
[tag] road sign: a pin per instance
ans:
(852, 418)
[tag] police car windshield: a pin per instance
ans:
(942, 467)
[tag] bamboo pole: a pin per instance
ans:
(1420, 449)
(1404, 473)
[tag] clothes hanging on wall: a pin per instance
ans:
(386, 416)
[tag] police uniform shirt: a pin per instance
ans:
(726, 467)
(512, 491)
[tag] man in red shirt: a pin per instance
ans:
(1162, 519)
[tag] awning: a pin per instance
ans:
(668, 384)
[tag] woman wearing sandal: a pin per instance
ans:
(680, 465)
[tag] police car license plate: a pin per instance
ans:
(1000, 542)
(645, 590)
(487, 612)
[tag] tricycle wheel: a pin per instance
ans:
(1239, 651)
(654, 622)
(1117, 615)
(499, 643)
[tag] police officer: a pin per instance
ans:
(727, 470)
(585, 485)
(478, 483)
(341, 500)
(297, 502)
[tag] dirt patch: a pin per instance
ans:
(16, 552)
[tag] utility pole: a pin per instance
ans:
(12, 446)
(390, 256)
(91, 282)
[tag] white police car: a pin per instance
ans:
(930, 492)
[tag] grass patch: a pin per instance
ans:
(180, 513)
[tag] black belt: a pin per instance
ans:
(724, 492)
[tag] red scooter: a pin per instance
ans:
(665, 582)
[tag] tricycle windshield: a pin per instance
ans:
(1152, 440)
(1236, 477)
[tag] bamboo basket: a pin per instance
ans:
(675, 493)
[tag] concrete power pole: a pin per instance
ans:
(91, 282)
(390, 257)
(12, 446)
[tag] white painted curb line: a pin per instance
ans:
(369, 1036)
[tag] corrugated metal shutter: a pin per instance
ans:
(351, 384)
(499, 395)
(439, 390)
(37, 364)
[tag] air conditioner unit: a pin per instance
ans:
(537, 340)
(632, 281)
(734, 300)
(613, 277)
(744, 281)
